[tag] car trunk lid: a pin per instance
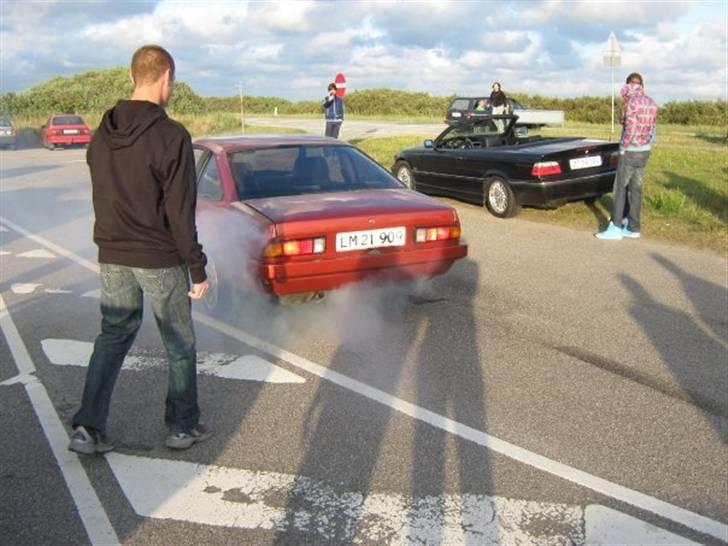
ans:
(326, 214)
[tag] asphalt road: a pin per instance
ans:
(550, 389)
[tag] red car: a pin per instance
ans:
(65, 130)
(302, 215)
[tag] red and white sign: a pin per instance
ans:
(340, 82)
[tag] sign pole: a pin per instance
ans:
(612, 58)
(242, 109)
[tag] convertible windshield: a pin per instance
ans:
(295, 170)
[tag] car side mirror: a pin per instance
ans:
(429, 144)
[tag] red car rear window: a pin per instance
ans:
(67, 120)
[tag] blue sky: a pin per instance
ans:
(292, 49)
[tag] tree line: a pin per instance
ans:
(97, 90)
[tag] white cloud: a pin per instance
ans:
(293, 48)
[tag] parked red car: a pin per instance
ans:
(304, 215)
(65, 130)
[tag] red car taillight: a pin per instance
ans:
(441, 233)
(546, 168)
(298, 247)
(613, 159)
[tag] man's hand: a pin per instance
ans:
(198, 290)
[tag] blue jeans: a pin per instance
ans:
(333, 128)
(628, 189)
(122, 305)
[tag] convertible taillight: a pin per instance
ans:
(545, 168)
(441, 233)
(298, 247)
(613, 159)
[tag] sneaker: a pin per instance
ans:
(183, 440)
(611, 233)
(630, 234)
(625, 222)
(89, 441)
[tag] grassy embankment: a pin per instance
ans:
(685, 198)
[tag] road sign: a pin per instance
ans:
(340, 82)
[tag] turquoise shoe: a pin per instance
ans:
(612, 233)
(630, 234)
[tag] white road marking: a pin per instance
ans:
(632, 497)
(24, 288)
(57, 291)
(223, 496)
(3, 228)
(5, 253)
(39, 253)
(607, 527)
(93, 294)
(97, 524)
(69, 352)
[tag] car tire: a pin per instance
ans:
(217, 300)
(499, 198)
(403, 173)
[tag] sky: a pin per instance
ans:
(293, 49)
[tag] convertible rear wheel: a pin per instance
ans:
(403, 173)
(499, 198)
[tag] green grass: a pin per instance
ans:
(685, 199)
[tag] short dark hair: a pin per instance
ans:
(149, 62)
(331, 86)
(634, 76)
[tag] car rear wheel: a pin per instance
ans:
(403, 173)
(499, 198)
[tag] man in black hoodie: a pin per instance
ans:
(144, 193)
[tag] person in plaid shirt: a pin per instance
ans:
(639, 119)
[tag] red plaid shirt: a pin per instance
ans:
(640, 117)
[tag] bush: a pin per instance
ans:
(98, 90)
(93, 91)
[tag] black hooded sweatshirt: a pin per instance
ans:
(144, 190)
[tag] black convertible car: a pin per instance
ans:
(485, 161)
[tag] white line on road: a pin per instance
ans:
(651, 504)
(92, 514)
(38, 253)
(70, 352)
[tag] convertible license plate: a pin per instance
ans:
(70, 131)
(371, 238)
(585, 162)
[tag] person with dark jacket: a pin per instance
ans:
(144, 193)
(333, 112)
(498, 103)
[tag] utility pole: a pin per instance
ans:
(242, 108)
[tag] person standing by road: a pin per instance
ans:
(144, 193)
(334, 112)
(640, 121)
(498, 103)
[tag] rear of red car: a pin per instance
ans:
(66, 130)
(322, 242)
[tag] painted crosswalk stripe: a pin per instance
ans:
(24, 287)
(69, 352)
(231, 497)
